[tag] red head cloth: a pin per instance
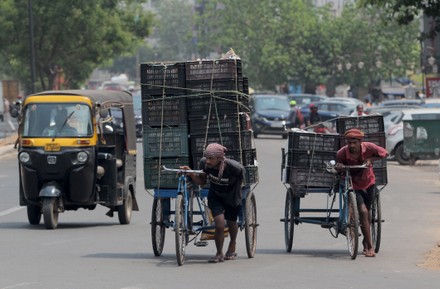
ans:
(218, 151)
(354, 133)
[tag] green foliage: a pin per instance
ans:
(405, 12)
(291, 41)
(73, 35)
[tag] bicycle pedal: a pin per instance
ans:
(327, 225)
(201, 243)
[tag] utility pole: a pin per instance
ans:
(31, 46)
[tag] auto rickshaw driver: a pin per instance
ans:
(61, 125)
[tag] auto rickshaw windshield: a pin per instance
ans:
(57, 119)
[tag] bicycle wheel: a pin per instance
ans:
(179, 228)
(250, 226)
(376, 222)
(289, 220)
(352, 229)
(157, 227)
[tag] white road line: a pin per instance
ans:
(10, 211)
(17, 285)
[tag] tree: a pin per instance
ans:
(71, 37)
(408, 11)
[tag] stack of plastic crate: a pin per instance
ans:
(304, 164)
(164, 118)
(373, 128)
(218, 111)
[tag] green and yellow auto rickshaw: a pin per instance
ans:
(77, 149)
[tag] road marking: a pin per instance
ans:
(10, 211)
(17, 285)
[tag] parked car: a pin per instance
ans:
(269, 114)
(431, 103)
(336, 107)
(351, 100)
(402, 102)
(395, 137)
(304, 99)
(391, 114)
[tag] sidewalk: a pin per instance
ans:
(7, 144)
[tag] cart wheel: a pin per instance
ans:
(124, 211)
(34, 214)
(50, 212)
(157, 227)
(352, 230)
(376, 222)
(250, 227)
(289, 220)
(179, 228)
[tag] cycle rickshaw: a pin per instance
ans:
(311, 171)
(191, 221)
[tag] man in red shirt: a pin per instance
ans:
(357, 152)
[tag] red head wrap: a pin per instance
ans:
(354, 133)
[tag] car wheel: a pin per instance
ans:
(401, 157)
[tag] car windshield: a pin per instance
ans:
(57, 120)
(272, 103)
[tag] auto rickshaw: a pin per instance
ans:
(77, 149)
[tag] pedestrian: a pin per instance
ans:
(7, 114)
(296, 119)
(314, 120)
(359, 111)
(357, 152)
(224, 197)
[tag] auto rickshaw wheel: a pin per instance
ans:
(34, 214)
(50, 212)
(124, 211)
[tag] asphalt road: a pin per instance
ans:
(91, 250)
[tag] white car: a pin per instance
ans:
(394, 134)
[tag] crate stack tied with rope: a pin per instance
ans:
(218, 111)
(373, 128)
(164, 119)
(304, 164)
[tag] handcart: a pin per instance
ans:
(192, 221)
(318, 176)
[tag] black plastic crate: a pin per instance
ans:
(376, 138)
(154, 177)
(313, 141)
(213, 69)
(309, 159)
(166, 111)
(165, 141)
(313, 178)
(245, 85)
(218, 124)
(368, 124)
(381, 176)
(251, 175)
(196, 87)
(244, 157)
(201, 106)
(162, 78)
(231, 140)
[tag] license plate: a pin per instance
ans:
(52, 147)
(277, 124)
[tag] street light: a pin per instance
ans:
(431, 60)
(348, 65)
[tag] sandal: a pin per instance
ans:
(216, 259)
(230, 256)
(370, 254)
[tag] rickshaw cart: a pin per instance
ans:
(84, 158)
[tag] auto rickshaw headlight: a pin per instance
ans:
(24, 157)
(82, 157)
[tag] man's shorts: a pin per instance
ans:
(365, 196)
(218, 206)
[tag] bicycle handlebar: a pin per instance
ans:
(164, 168)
